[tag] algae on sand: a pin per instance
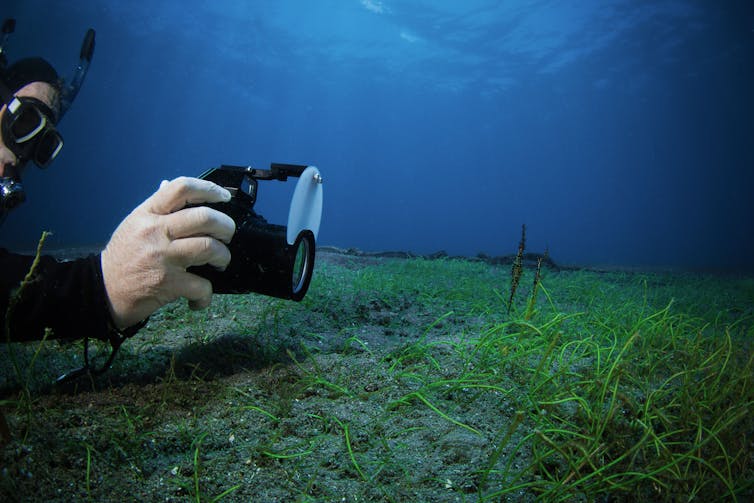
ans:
(406, 380)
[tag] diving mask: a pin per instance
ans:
(28, 125)
(29, 132)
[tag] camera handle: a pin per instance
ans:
(241, 181)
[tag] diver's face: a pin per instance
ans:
(9, 165)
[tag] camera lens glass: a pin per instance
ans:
(301, 265)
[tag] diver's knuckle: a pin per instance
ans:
(181, 185)
(207, 246)
(158, 277)
(202, 216)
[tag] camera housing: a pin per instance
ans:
(268, 259)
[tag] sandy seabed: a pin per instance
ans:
(396, 379)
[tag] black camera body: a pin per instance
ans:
(269, 259)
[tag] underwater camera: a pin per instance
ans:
(269, 259)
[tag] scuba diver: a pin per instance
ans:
(110, 295)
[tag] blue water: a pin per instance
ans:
(620, 132)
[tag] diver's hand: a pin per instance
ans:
(144, 264)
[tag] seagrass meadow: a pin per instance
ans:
(405, 379)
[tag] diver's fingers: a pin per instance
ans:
(178, 193)
(197, 290)
(199, 250)
(200, 221)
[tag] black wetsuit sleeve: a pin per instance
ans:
(67, 297)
